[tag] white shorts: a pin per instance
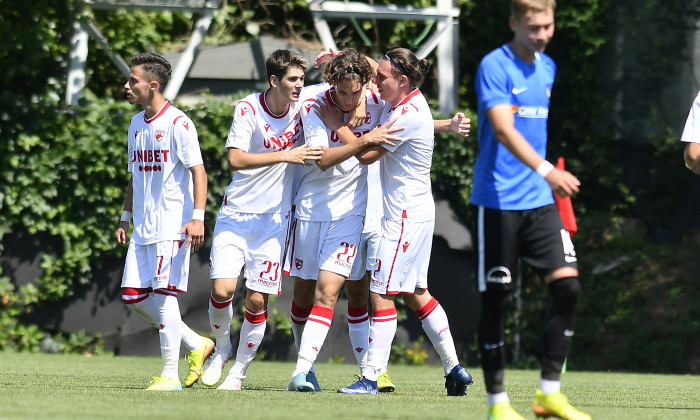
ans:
(161, 265)
(328, 246)
(366, 254)
(403, 257)
(253, 241)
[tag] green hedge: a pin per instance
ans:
(67, 182)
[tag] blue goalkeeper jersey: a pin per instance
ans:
(501, 181)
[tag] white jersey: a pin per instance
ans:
(255, 129)
(691, 131)
(161, 151)
(341, 190)
(405, 172)
(375, 207)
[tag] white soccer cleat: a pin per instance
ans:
(231, 384)
(217, 361)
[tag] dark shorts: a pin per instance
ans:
(536, 236)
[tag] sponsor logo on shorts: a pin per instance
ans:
(264, 282)
(499, 275)
(343, 264)
(405, 246)
(298, 263)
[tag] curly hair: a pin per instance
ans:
(349, 65)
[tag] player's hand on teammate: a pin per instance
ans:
(383, 134)
(325, 56)
(330, 115)
(194, 230)
(304, 155)
(563, 183)
(460, 124)
(122, 231)
(358, 116)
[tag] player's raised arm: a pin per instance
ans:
(459, 124)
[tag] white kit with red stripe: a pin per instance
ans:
(255, 129)
(161, 151)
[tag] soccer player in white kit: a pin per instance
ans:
(330, 205)
(403, 255)
(166, 194)
(691, 136)
(253, 221)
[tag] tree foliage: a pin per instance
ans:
(63, 169)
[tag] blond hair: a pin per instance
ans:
(519, 8)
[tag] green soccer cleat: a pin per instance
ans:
(196, 359)
(556, 405)
(384, 383)
(162, 383)
(503, 411)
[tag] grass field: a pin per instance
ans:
(39, 386)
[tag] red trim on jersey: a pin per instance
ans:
(329, 97)
(357, 315)
(219, 305)
(256, 319)
(267, 110)
(300, 315)
(252, 109)
(415, 92)
(161, 112)
(375, 98)
(321, 315)
(427, 309)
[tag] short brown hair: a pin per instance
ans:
(280, 61)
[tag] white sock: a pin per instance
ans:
(549, 387)
(220, 316)
(494, 399)
(190, 339)
(382, 332)
(252, 333)
(170, 333)
(358, 328)
(436, 326)
(299, 317)
(141, 302)
(312, 340)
